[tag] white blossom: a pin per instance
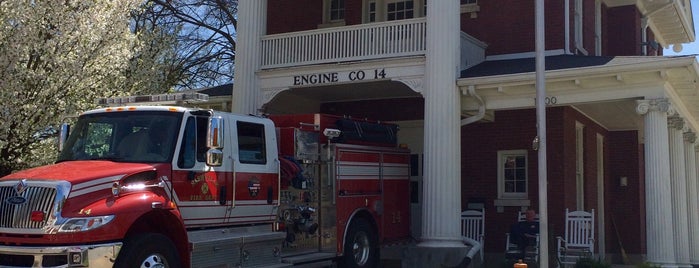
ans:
(56, 58)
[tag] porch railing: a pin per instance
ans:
(347, 43)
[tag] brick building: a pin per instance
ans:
(621, 118)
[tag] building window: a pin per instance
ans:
(400, 10)
(578, 24)
(337, 10)
(390, 10)
(471, 7)
(371, 11)
(334, 13)
(512, 174)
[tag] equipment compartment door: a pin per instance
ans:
(395, 169)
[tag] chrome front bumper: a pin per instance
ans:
(100, 255)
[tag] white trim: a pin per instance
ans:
(579, 166)
(327, 21)
(601, 246)
(512, 202)
(523, 55)
(566, 26)
(578, 11)
(598, 28)
(501, 175)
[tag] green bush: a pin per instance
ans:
(591, 263)
(647, 265)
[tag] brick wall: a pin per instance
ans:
(623, 24)
(487, 27)
(515, 129)
(289, 16)
(625, 204)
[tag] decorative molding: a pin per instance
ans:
(417, 84)
(675, 122)
(269, 94)
(659, 105)
(690, 137)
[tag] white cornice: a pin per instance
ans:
(649, 64)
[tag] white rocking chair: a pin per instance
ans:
(512, 250)
(578, 240)
(473, 226)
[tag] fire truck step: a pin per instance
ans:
(317, 259)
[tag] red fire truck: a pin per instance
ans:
(172, 186)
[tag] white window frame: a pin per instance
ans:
(414, 10)
(579, 166)
(470, 6)
(578, 26)
(368, 12)
(382, 9)
(327, 21)
(501, 175)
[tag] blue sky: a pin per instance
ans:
(690, 48)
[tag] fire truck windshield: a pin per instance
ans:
(133, 136)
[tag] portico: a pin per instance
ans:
(408, 72)
(652, 96)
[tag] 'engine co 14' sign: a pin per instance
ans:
(334, 77)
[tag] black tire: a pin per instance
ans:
(361, 246)
(148, 251)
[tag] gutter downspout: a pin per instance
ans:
(471, 91)
(566, 25)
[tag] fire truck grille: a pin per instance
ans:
(32, 213)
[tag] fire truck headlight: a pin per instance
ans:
(84, 224)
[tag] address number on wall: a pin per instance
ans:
(549, 100)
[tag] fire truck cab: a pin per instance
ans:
(171, 186)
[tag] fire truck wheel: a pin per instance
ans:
(360, 245)
(148, 250)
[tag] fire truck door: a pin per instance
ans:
(255, 170)
(202, 191)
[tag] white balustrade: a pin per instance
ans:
(346, 43)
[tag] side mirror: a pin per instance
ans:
(63, 136)
(214, 141)
(214, 138)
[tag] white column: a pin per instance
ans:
(442, 178)
(252, 25)
(678, 184)
(692, 204)
(659, 235)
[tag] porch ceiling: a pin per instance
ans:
(613, 115)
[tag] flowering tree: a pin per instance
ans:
(56, 58)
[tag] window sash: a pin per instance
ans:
(337, 10)
(400, 10)
(512, 174)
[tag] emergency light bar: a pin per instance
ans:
(171, 98)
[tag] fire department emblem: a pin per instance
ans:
(254, 186)
(18, 199)
(204, 188)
